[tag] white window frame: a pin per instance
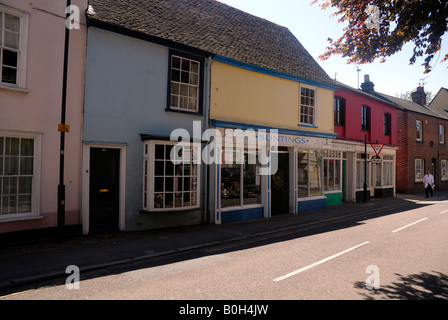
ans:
(444, 170)
(419, 169)
(313, 106)
(336, 156)
(149, 177)
(389, 160)
(177, 95)
(419, 130)
(36, 176)
(441, 134)
(22, 50)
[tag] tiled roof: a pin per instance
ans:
(213, 27)
(412, 106)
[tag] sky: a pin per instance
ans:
(312, 26)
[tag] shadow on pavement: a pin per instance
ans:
(422, 286)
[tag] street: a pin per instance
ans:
(402, 255)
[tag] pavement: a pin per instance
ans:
(37, 260)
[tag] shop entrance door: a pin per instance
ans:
(280, 186)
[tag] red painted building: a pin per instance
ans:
(361, 116)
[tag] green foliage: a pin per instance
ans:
(400, 22)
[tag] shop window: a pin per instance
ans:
(167, 184)
(360, 172)
(240, 179)
(332, 170)
(309, 173)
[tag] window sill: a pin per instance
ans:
(307, 125)
(13, 88)
(193, 113)
(22, 218)
(169, 210)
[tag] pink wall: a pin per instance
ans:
(38, 108)
(352, 119)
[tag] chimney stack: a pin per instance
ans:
(419, 96)
(367, 85)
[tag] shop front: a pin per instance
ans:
(301, 173)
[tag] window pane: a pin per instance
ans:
(9, 75)
(25, 185)
(27, 147)
(26, 166)
(315, 174)
(159, 168)
(251, 184)
(175, 62)
(12, 23)
(9, 58)
(158, 200)
(337, 174)
(160, 151)
(24, 204)
(11, 40)
(302, 174)
(169, 200)
(158, 184)
(230, 185)
(12, 165)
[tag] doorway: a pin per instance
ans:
(104, 190)
(280, 186)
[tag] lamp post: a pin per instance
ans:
(63, 129)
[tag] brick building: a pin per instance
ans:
(422, 143)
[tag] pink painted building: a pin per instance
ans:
(32, 38)
(362, 119)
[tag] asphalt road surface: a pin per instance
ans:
(388, 256)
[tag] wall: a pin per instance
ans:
(430, 150)
(352, 119)
(126, 95)
(249, 97)
(37, 108)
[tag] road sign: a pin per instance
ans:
(377, 147)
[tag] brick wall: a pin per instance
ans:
(429, 149)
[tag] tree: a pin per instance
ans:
(400, 21)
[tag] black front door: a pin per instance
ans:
(280, 186)
(104, 189)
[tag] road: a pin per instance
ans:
(388, 256)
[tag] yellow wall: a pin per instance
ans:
(243, 96)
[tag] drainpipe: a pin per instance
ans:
(63, 129)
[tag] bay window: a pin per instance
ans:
(167, 184)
